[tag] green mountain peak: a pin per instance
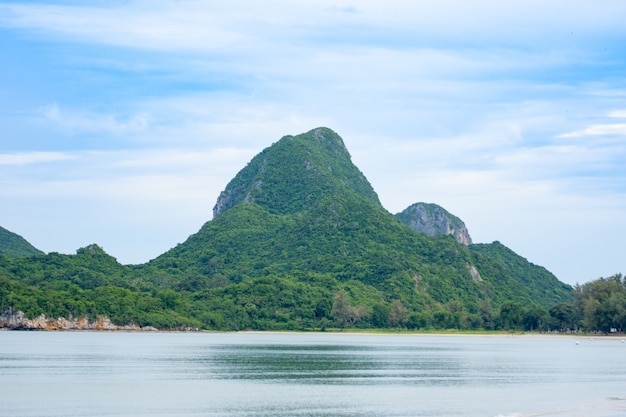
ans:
(296, 173)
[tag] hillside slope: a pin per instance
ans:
(14, 245)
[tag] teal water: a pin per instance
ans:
(57, 374)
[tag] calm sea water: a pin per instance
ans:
(211, 374)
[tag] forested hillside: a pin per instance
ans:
(298, 240)
(14, 245)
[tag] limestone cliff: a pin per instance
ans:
(16, 320)
(434, 220)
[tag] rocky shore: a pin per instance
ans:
(16, 320)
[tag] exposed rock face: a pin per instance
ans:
(434, 220)
(474, 273)
(16, 320)
(240, 191)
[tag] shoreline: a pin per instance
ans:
(17, 321)
(451, 333)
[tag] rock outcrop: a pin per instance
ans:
(434, 220)
(16, 320)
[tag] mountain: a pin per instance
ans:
(298, 240)
(434, 220)
(301, 212)
(296, 173)
(14, 245)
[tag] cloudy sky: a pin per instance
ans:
(121, 121)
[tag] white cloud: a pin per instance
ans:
(598, 130)
(83, 121)
(180, 159)
(27, 158)
(618, 114)
(210, 26)
(134, 25)
(174, 175)
(220, 120)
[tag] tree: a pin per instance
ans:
(441, 318)
(565, 315)
(342, 310)
(380, 315)
(511, 315)
(398, 314)
(170, 298)
(610, 313)
(457, 316)
(602, 303)
(535, 318)
(486, 315)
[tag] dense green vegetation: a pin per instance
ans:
(296, 173)
(599, 306)
(62, 286)
(299, 241)
(15, 245)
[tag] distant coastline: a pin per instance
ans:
(16, 321)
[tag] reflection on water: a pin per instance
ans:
(174, 374)
(331, 364)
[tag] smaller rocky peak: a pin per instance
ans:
(95, 251)
(91, 250)
(433, 219)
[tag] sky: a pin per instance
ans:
(121, 121)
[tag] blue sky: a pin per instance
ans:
(123, 120)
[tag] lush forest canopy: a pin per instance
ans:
(299, 240)
(14, 245)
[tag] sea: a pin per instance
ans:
(110, 374)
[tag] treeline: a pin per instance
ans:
(600, 306)
(93, 284)
(308, 302)
(283, 304)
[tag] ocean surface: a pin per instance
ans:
(266, 374)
